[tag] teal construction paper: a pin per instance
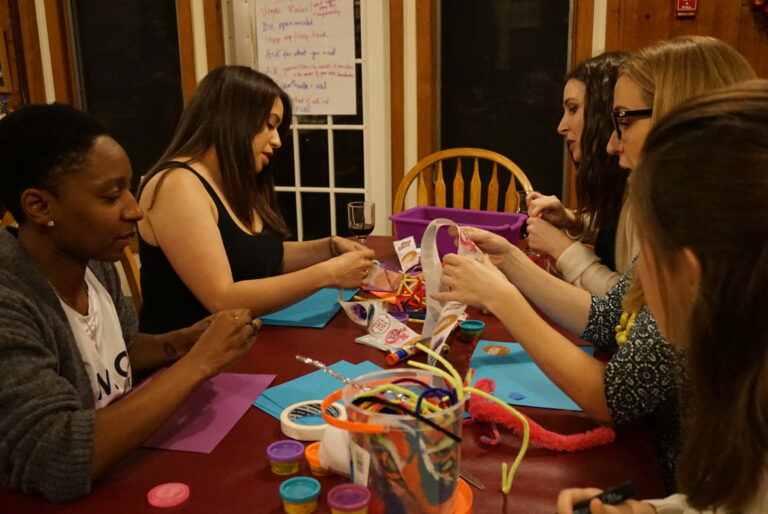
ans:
(312, 386)
(515, 372)
(313, 311)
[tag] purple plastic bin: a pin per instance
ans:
(414, 221)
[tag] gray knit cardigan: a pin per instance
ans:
(47, 414)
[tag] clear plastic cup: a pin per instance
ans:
(285, 456)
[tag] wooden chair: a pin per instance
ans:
(432, 175)
(127, 261)
(131, 270)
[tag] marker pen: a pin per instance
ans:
(612, 496)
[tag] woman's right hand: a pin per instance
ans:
(227, 339)
(551, 209)
(569, 497)
(493, 245)
(350, 269)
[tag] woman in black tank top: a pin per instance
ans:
(213, 237)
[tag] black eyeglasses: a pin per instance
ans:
(620, 114)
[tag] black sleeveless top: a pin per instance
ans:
(605, 246)
(167, 303)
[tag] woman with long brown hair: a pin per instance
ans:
(700, 196)
(563, 233)
(213, 237)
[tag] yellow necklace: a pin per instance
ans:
(626, 322)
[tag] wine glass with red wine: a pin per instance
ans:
(362, 218)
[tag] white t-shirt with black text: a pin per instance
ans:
(99, 338)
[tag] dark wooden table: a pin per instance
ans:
(235, 477)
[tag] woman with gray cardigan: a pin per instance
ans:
(69, 345)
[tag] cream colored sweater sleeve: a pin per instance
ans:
(581, 267)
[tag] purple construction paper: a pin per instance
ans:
(209, 413)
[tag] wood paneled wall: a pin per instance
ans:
(633, 24)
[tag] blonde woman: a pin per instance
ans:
(706, 284)
(641, 377)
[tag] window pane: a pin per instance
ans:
(319, 119)
(282, 164)
(348, 158)
(287, 202)
(517, 54)
(342, 199)
(313, 156)
(316, 214)
(128, 59)
(357, 30)
(354, 119)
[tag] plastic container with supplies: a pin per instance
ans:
(408, 465)
(413, 222)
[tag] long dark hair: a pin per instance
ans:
(229, 107)
(702, 184)
(600, 182)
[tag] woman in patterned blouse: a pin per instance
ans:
(640, 379)
(706, 283)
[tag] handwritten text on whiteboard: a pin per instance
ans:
(308, 48)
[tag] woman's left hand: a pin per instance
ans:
(184, 339)
(471, 281)
(543, 237)
(343, 245)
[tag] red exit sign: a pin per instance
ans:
(685, 8)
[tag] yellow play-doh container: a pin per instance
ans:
(299, 495)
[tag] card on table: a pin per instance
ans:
(314, 311)
(209, 413)
(519, 381)
(312, 386)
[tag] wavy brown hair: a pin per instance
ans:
(229, 107)
(703, 185)
(601, 181)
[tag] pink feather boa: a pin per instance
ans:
(486, 410)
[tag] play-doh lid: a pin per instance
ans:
(286, 450)
(300, 489)
(349, 497)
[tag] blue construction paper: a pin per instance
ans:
(313, 311)
(515, 372)
(312, 386)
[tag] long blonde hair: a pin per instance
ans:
(671, 71)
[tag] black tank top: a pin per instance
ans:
(167, 303)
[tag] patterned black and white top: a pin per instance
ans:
(642, 378)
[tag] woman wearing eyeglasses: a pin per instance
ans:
(706, 283)
(641, 377)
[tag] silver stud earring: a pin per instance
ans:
(50, 223)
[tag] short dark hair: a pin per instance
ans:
(600, 182)
(39, 144)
